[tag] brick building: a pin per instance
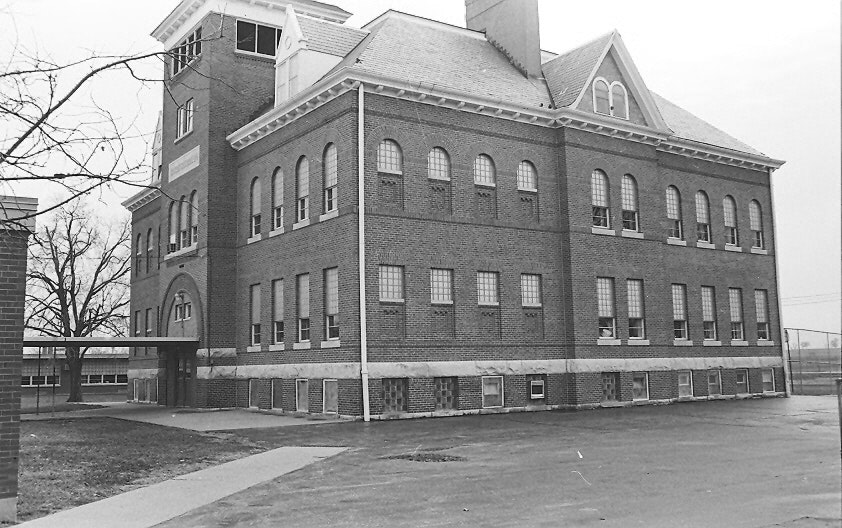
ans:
(414, 218)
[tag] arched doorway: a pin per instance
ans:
(183, 318)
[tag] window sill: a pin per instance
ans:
(183, 251)
(631, 234)
(739, 342)
(330, 343)
(300, 224)
(638, 342)
(676, 242)
(705, 245)
(523, 189)
(392, 301)
(759, 251)
(442, 303)
(682, 342)
(532, 306)
(607, 341)
(438, 178)
(765, 342)
(328, 215)
(276, 232)
(602, 231)
(181, 138)
(253, 348)
(711, 342)
(496, 304)
(486, 185)
(254, 54)
(640, 400)
(390, 171)
(276, 347)
(735, 249)
(302, 345)
(256, 238)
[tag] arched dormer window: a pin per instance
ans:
(484, 171)
(729, 210)
(610, 98)
(631, 220)
(329, 166)
(278, 199)
(389, 157)
(599, 199)
(676, 226)
(527, 176)
(438, 164)
(254, 208)
(756, 224)
(702, 217)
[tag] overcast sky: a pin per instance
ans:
(767, 73)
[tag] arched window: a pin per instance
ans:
(527, 176)
(619, 101)
(702, 217)
(389, 157)
(601, 102)
(254, 208)
(183, 222)
(599, 199)
(438, 164)
(631, 220)
(278, 199)
(173, 229)
(729, 208)
(194, 218)
(138, 253)
(756, 224)
(329, 167)
(484, 172)
(150, 244)
(676, 227)
(302, 184)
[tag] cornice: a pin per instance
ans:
(142, 198)
(344, 80)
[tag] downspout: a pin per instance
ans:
(781, 329)
(361, 248)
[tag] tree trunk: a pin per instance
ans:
(74, 364)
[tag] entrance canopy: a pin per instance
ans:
(50, 341)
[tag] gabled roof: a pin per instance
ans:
(567, 74)
(687, 126)
(328, 37)
(434, 54)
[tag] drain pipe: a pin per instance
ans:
(361, 248)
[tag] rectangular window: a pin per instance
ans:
(278, 311)
(768, 379)
(610, 386)
(447, 393)
(254, 313)
(184, 119)
(761, 305)
(685, 384)
(254, 393)
(257, 38)
(330, 390)
(331, 176)
(605, 304)
(742, 381)
(395, 395)
(186, 51)
(331, 287)
(148, 322)
(530, 290)
(492, 391)
(679, 311)
(391, 283)
(714, 383)
(487, 283)
(302, 395)
(637, 329)
(735, 300)
(303, 188)
(441, 286)
(709, 312)
(187, 310)
(536, 389)
(640, 386)
(303, 307)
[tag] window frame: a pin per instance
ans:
(758, 240)
(523, 290)
(689, 383)
(485, 395)
(184, 118)
(388, 158)
(606, 322)
(478, 171)
(732, 233)
(680, 326)
(255, 207)
(718, 385)
(494, 287)
(331, 330)
(709, 326)
(737, 383)
(303, 323)
(439, 153)
(762, 318)
(764, 382)
(600, 212)
(645, 376)
(190, 48)
(331, 199)
(380, 283)
(675, 228)
(630, 215)
(277, 199)
(703, 232)
(257, 25)
(642, 302)
(735, 296)
(610, 93)
(302, 192)
(445, 272)
(529, 169)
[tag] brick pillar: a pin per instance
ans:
(13, 244)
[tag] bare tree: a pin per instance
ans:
(77, 283)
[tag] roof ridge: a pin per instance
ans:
(331, 22)
(428, 21)
(588, 43)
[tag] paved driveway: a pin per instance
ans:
(755, 463)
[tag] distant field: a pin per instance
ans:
(814, 370)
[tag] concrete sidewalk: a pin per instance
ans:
(193, 419)
(149, 506)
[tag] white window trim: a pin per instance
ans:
(256, 238)
(774, 389)
(610, 97)
(301, 345)
(276, 347)
(535, 382)
(502, 393)
(253, 348)
(609, 341)
(276, 232)
(254, 53)
(690, 377)
(739, 342)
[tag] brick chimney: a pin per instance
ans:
(512, 26)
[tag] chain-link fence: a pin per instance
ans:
(815, 360)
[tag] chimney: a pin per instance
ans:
(512, 26)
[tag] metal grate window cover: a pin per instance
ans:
(395, 395)
(447, 393)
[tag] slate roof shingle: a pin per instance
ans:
(567, 74)
(328, 37)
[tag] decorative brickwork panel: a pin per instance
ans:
(392, 322)
(390, 191)
(447, 393)
(442, 323)
(533, 323)
(485, 203)
(441, 198)
(528, 207)
(489, 322)
(395, 395)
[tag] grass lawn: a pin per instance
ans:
(70, 462)
(47, 408)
